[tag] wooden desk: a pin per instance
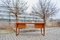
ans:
(23, 25)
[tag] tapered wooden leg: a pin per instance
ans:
(16, 32)
(41, 30)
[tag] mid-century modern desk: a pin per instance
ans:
(23, 25)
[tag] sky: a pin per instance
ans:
(33, 2)
(57, 16)
(57, 2)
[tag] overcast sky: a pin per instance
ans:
(31, 2)
(58, 6)
(57, 2)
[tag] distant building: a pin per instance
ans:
(53, 22)
(25, 17)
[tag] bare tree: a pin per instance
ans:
(15, 7)
(44, 9)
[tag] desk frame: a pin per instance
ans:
(37, 25)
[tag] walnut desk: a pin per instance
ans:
(23, 25)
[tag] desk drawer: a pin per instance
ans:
(21, 26)
(39, 25)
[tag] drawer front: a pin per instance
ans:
(39, 25)
(21, 26)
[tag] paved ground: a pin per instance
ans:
(51, 34)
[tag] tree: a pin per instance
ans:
(16, 7)
(44, 9)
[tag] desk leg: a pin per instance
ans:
(43, 31)
(16, 30)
